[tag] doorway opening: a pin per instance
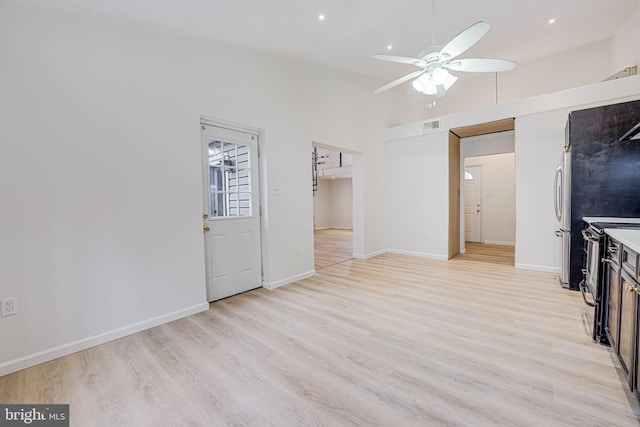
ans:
(333, 205)
(482, 192)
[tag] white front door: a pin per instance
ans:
(232, 212)
(473, 204)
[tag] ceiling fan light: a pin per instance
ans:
(440, 76)
(450, 81)
(430, 88)
(422, 83)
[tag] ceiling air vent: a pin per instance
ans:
(430, 126)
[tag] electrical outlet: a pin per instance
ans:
(9, 306)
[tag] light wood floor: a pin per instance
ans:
(390, 341)
(494, 254)
(332, 246)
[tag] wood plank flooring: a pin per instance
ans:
(494, 254)
(390, 341)
(332, 246)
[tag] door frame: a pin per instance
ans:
(455, 135)
(262, 186)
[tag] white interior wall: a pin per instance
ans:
(625, 43)
(544, 76)
(333, 204)
(100, 170)
(417, 192)
(342, 203)
(322, 205)
(498, 197)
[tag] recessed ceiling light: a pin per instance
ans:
(552, 20)
(389, 47)
(321, 17)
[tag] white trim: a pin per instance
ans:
(491, 242)
(273, 285)
(331, 227)
(63, 350)
(544, 268)
(418, 254)
(371, 254)
(211, 121)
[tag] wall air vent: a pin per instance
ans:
(431, 126)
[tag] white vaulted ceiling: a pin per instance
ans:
(354, 30)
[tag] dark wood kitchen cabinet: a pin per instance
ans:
(628, 323)
(622, 294)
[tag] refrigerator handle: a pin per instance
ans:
(558, 193)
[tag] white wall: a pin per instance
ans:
(417, 195)
(625, 43)
(100, 184)
(322, 205)
(498, 197)
(342, 203)
(333, 204)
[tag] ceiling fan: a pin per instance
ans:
(434, 78)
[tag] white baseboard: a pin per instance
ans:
(544, 268)
(333, 228)
(418, 254)
(288, 280)
(492, 242)
(370, 255)
(83, 344)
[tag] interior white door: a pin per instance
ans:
(232, 215)
(473, 204)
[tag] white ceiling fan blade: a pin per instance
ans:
(400, 81)
(465, 40)
(402, 60)
(481, 65)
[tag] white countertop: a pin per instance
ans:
(628, 237)
(591, 219)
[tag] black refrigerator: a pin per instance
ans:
(605, 170)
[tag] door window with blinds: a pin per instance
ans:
(229, 179)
